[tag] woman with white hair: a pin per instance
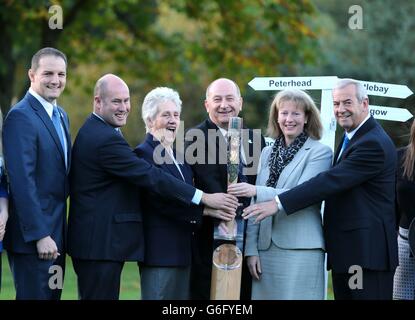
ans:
(168, 227)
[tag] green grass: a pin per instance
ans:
(130, 282)
(330, 295)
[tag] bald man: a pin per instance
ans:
(105, 218)
(223, 101)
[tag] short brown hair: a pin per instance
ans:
(46, 52)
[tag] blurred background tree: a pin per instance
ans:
(185, 44)
(381, 52)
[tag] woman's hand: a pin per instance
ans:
(260, 210)
(242, 190)
(254, 266)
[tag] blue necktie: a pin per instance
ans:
(345, 143)
(119, 131)
(344, 146)
(56, 119)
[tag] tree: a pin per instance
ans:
(382, 51)
(183, 44)
(232, 38)
(25, 30)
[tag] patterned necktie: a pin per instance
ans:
(56, 119)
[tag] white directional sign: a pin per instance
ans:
(391, 114)
(386, 89)
(326, 84)
(303, 83)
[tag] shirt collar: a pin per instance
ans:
(99, 117)
(46, 104)
(102, 119)
(352, 133)
(224, 131)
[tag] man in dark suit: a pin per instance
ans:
(37, 153)
(359, 216)
(223, 101)
(105, 218)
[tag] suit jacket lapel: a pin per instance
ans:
(293, 164)
(43, 115)
(366, 127)
(220, 148)
(185, 169)
(336, 155)
(171, 167)
(187, 173)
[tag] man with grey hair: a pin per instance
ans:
(105, 219)
(359, 190)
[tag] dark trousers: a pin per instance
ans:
(377, 285)
(164, 283)
(246, 282)
(35, 279)
(98, 280)
(200, 278)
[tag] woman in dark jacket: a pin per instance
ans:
(404, 280)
